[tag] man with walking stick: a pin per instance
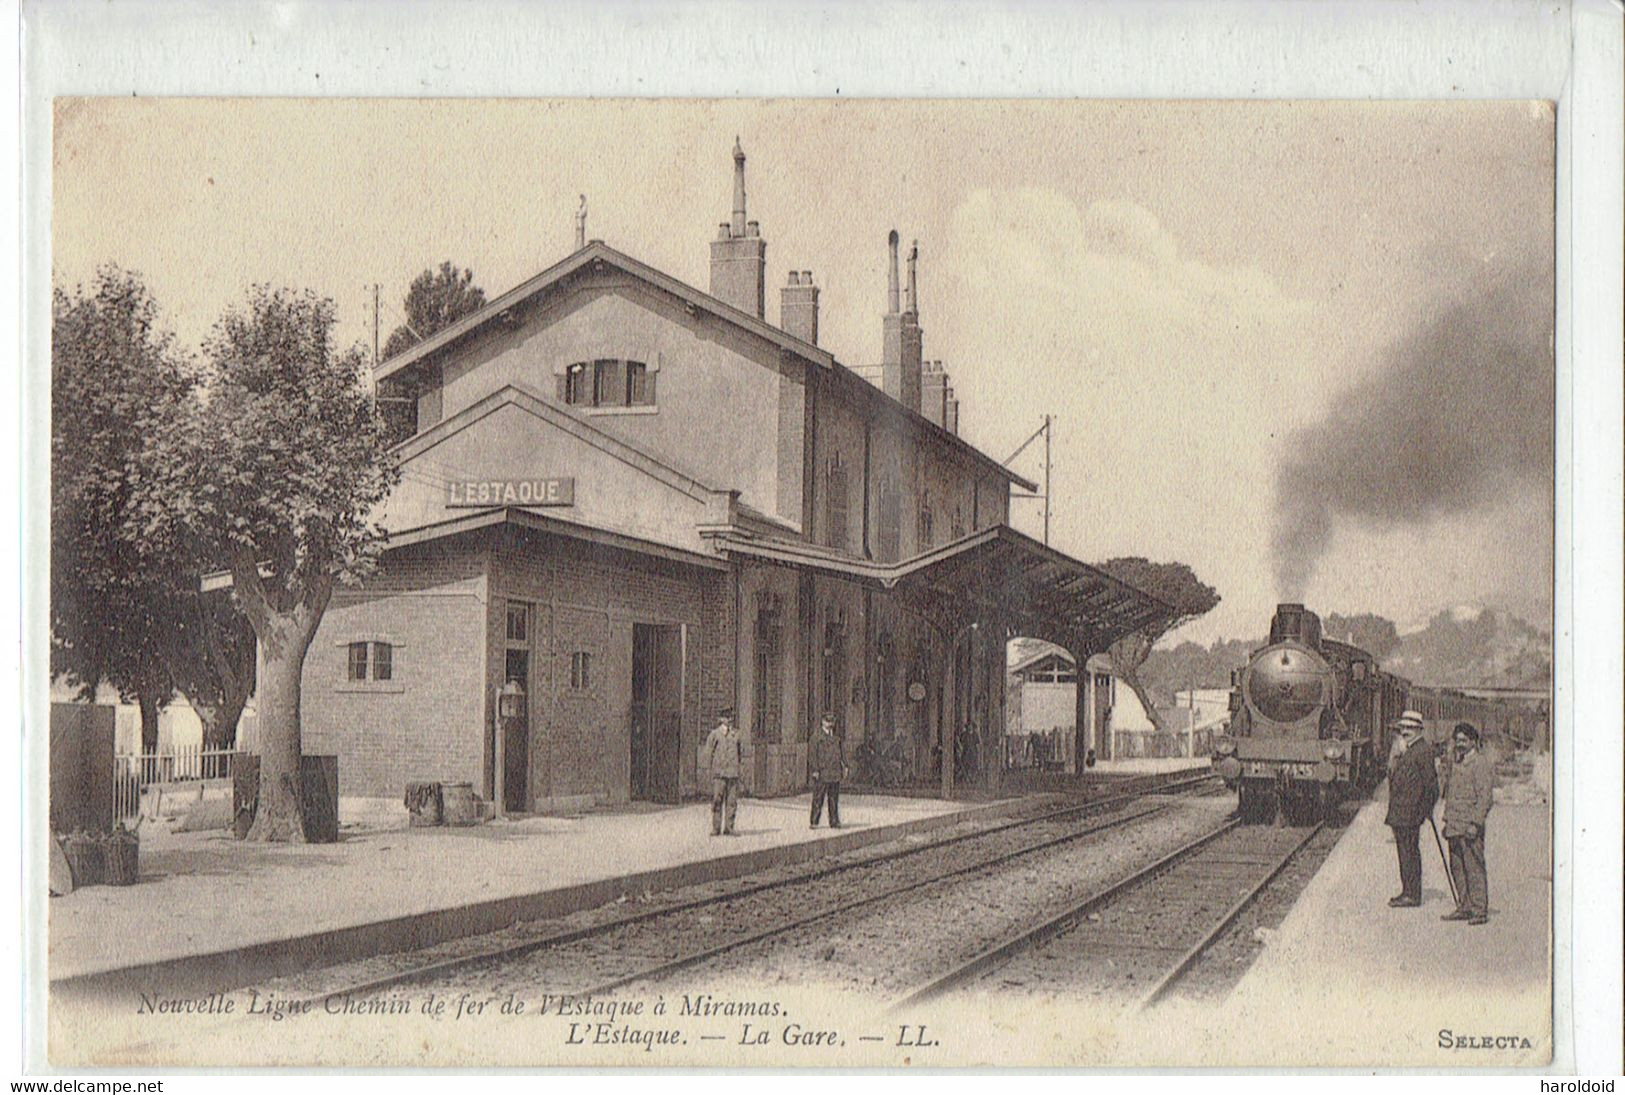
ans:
(1413, 788)
(1468, 796)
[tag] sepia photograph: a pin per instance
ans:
(801, 583)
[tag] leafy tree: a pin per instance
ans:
(277, 475)
(211, 659)
(1374, 634)
(118, 383)
(1176, 585)
(435, 300)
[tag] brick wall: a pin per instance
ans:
(588, 600)
(443, 609)
(427, 722)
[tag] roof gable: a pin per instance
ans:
(597, 252)
(513, 437)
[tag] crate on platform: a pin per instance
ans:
(123, 857)
(87, 858)
(423, 803)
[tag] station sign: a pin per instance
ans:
(475, 493)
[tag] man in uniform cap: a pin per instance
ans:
(724, 754)
(1468, 795)
(1413, 788)
(828, 762)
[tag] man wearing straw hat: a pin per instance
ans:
(1413, 788)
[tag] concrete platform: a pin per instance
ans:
(1346, 980)
(211, 913)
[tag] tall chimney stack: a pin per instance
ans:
(891, 276)
(912, 303)
(798, 307)
(581, 224)
(739, 254)
(900, 340)
(739, 189)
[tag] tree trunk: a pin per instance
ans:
(1128, 654)
(149, 722)
(1132, 679)
(285, 638)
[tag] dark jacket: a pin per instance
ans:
(1413, 786)
(826, 761)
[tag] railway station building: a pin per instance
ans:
(642, 503)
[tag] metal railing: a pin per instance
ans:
(137, 775)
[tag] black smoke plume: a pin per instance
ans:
(1460, 413)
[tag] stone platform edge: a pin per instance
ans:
(222, 971)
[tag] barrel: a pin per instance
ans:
(458, 805)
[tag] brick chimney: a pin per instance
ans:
(950, 413)
(739, 254)
(900, 335)
(798, 307)
(934, 392)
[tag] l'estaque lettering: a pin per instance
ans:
(511, 492)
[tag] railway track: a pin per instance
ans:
(651, 942)
(1136, 938)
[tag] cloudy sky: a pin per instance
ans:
(1304, 348)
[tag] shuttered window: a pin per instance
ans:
(890, 520)
(578, 385)
(768, 691)
(835, 502)
(608, 382)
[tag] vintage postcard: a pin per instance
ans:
(801, 583)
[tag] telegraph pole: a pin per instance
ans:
(375, 288)
(1048, 430)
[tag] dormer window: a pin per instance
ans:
(608, 382)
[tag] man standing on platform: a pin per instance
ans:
(1413, 789)
(828, 763)
(1468, 795)
(724, 754)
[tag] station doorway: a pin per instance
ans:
(657, 711)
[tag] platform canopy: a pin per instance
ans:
(995, 576)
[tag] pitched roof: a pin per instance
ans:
(598, 252)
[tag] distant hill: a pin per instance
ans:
(1465, 647)
(1491, 649)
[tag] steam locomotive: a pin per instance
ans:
(1310, 718)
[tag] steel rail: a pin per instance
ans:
(695, 957)
(1053, 925)
(1189, 958)
(570, 935)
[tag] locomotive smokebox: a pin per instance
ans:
(1287, 683)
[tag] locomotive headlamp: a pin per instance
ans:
(1224, 746)
(1333, 750)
